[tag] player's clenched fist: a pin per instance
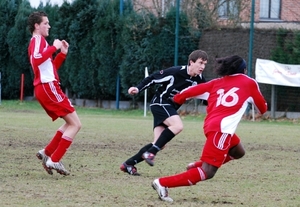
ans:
(64, 47)
(133, 90)
(57, 43)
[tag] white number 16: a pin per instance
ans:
(222, 97)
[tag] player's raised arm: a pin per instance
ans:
(190, 92)
(259, 101)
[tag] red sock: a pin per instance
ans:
(190, 177)
(62, 148)
(198, 163)
(227, 159)
(51, 147)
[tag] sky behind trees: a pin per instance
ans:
(35, 3)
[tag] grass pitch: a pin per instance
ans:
(268, 175)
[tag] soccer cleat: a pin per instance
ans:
(130, 169)
(194, 165)
(58, 166)
(42, 156)
(149, 158)
(161, 191)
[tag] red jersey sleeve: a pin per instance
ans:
(191, 92)
(41, 59)
(36, 51)
(258, 99)
(59, 59)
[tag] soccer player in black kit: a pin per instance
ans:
(167, 122)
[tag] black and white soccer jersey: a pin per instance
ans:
(172, 81)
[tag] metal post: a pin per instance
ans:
(118, 92)
(0, 88)
(121, 7)
(273, 101)
(118, 75)
(251, 38)
(22, 87)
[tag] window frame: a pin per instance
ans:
(269, 7)
(228, 8)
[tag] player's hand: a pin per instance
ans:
(173, 103)
(57, 43)
(178, 100)
(133, 90)
(65, 46)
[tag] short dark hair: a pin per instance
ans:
(230, 65)
(35, 18)
(196, 54)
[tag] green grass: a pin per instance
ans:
(268, 175)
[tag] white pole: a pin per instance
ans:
(162, 8)
(145, 95)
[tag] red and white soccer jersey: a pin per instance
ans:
(46, 81)
(40, 55)
(228, 98)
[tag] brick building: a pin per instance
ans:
(268, 13)
(277, 14)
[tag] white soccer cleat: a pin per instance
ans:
(161, 191)
(42, 156)
(58, 166)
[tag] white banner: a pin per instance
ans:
(270, 72)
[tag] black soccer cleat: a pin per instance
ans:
(130, 169)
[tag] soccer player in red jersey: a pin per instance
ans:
(228, 98)
(48, 92)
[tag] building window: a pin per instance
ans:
(228, 8)
(270, 9)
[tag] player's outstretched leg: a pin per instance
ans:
(161, 191)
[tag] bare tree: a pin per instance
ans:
(202, 13)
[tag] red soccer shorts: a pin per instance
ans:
(217, 146)
(53, 100)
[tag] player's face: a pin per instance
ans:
(196, 68)
(43, 27)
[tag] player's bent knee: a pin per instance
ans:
(179, 129)
(210, 175)
(79, 126)
(239, 155)
(196, 175)
(209, 170)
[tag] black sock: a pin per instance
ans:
(137, 158)
(162, 140)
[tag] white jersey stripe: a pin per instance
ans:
(37, 44)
